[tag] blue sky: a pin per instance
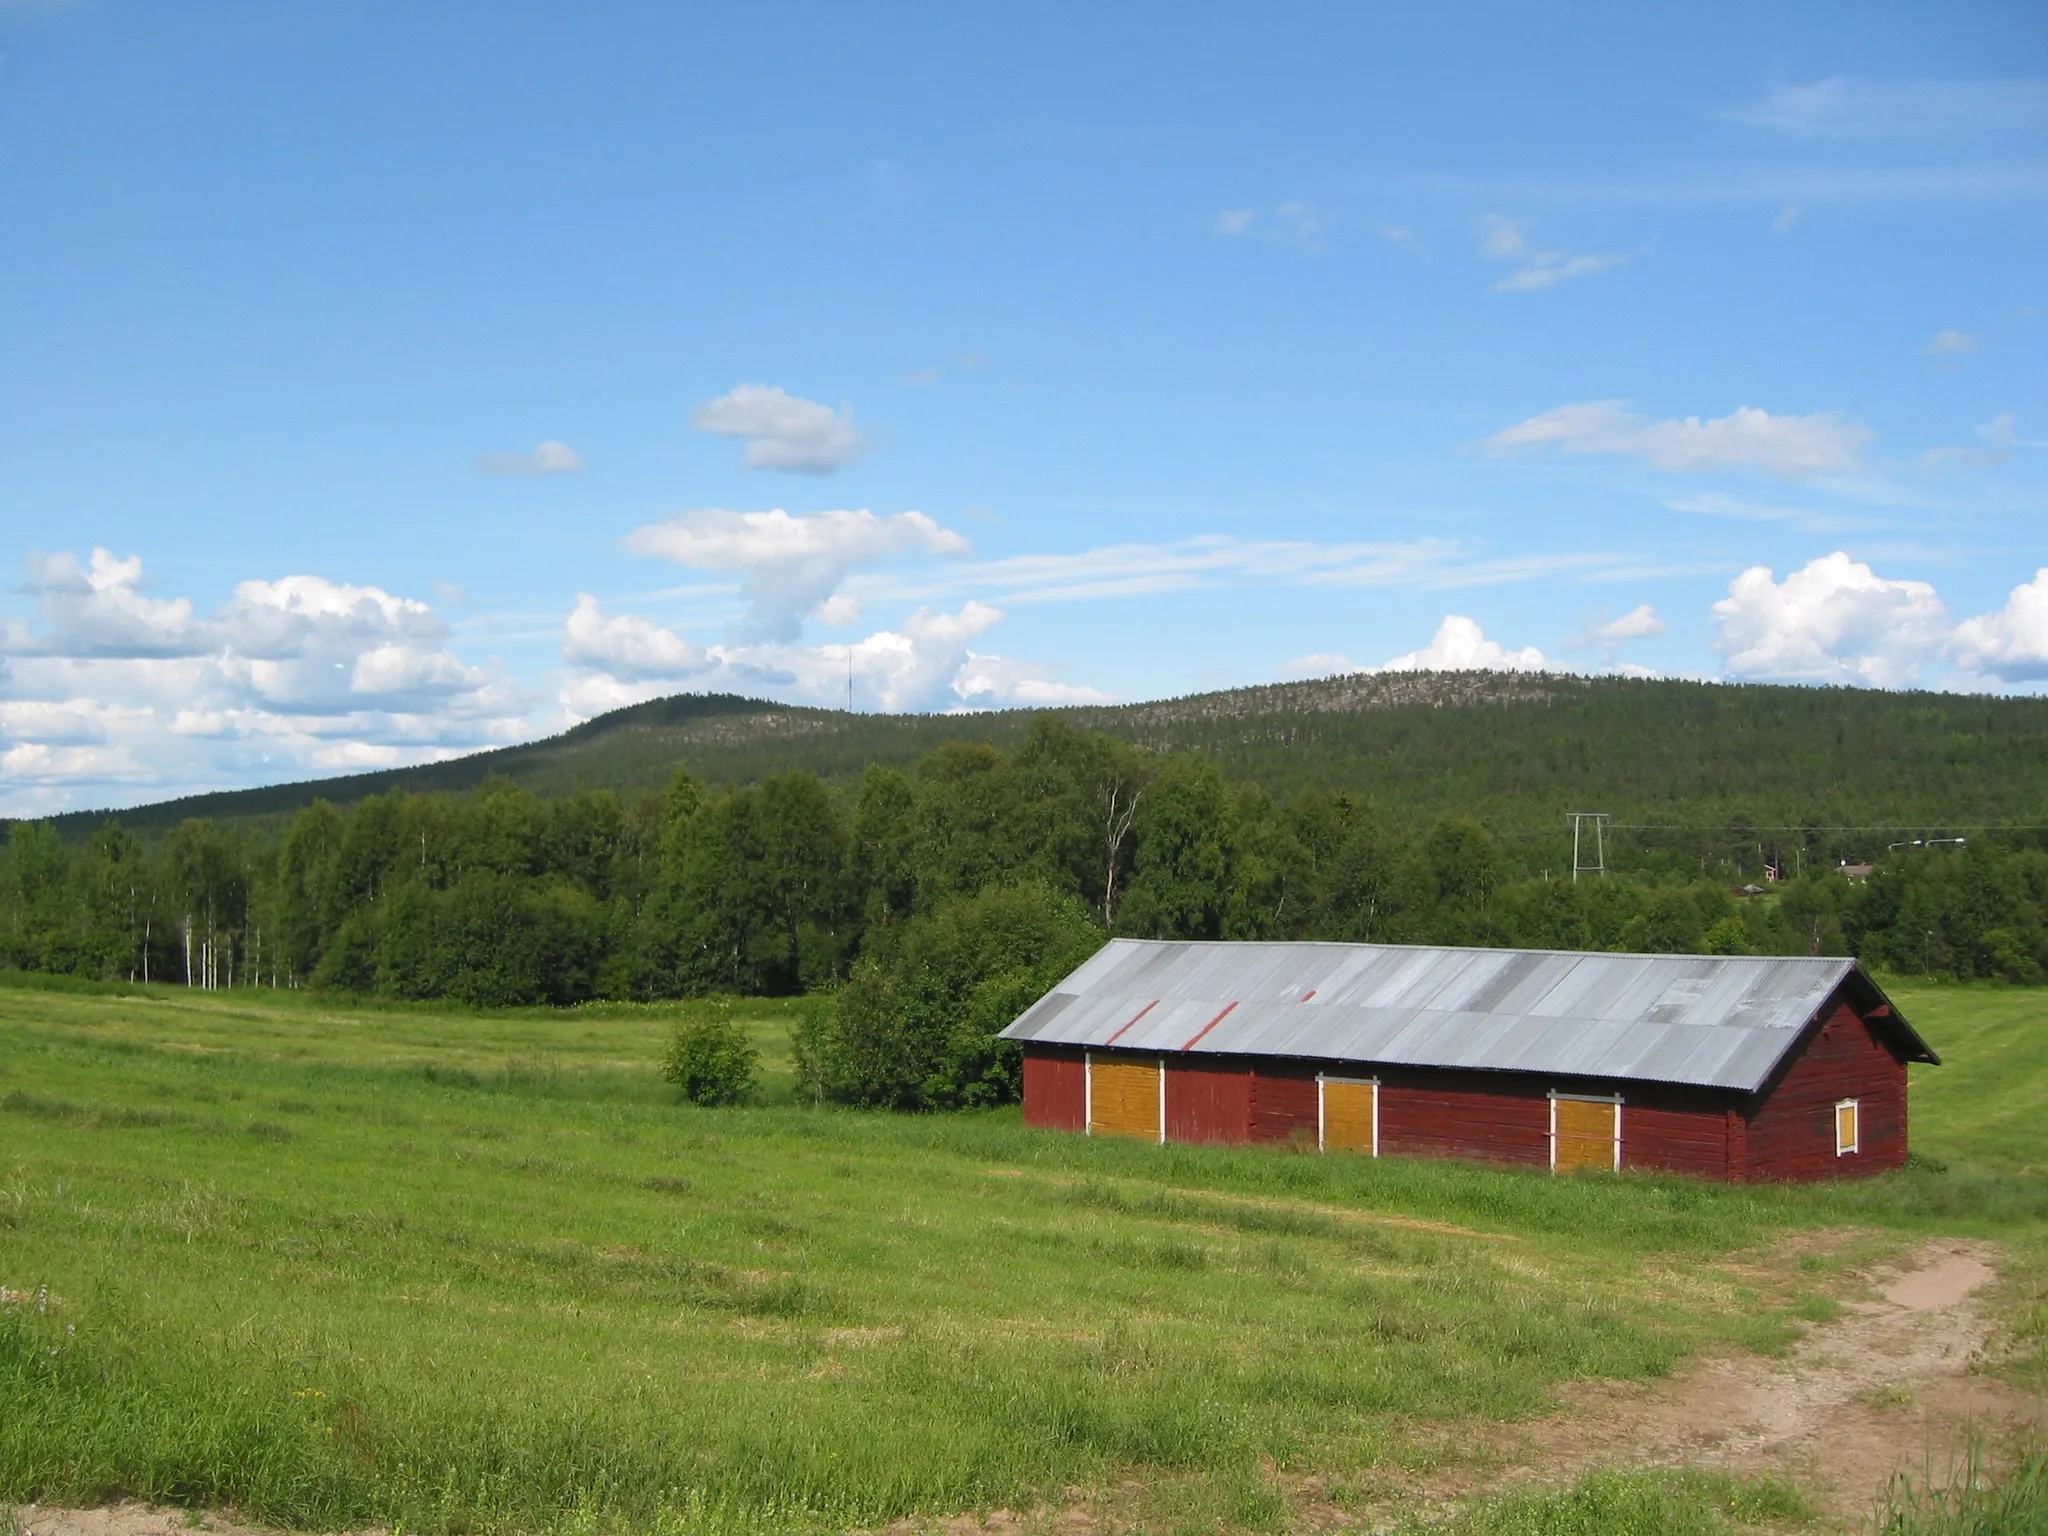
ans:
(378, 382)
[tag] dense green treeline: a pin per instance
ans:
(939, 898)
(1701, 775)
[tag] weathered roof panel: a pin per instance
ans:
(1719, 1021)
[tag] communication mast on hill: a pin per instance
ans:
(1597, 865)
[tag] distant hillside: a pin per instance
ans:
(1517, 751)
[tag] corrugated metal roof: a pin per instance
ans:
(1718, 1021)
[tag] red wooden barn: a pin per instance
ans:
(1728, 1066)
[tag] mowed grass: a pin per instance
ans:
(340, 1267)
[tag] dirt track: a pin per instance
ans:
(1887, 1387)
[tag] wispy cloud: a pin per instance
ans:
(1212, 561)
(1994, 445)
(1789, 447)
(549, 458)
(1849, 107)
(1294, 225)
(1952, 344)
(1973, 180)
(1505, 239)
(1740, 509)
(784, 431)
(1319, 664)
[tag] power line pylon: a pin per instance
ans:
(1598, 864)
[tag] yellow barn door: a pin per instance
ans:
(1350, 1114)
(1124, 1098)
(1584, 1133)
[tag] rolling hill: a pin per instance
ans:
(1515, 750)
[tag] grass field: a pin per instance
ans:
(453, 1272)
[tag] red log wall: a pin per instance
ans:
(1208, 1100)
(1679, 1130)
(1055, 1088)
(1487, 1116)
(1283, 1101)
(1791, 1131)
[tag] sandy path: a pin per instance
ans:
(127, 1519)
(1888, 1386)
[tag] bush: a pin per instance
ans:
(1730, 936)
(711, 1059)
(916, 1026)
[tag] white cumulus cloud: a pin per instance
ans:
(111, 690)
(550, 458)
(1788, 447)
(1460, 645)
(1639, 623)
(625, 645)
(99, 609)
(927, 662)
(1834, 620)
(2011, 644)
(784, 431)
(790, 565)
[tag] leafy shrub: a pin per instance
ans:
(916, 1026)
(711, 1059)
(1730, 936)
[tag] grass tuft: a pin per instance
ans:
(1975, 1502)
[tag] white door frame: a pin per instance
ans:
(1585, 1098)
(1088, 1094)
(1322, 1113)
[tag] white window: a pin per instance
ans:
(1848, 1126)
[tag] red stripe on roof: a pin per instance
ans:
(1209, 1026)
(1112, 1040)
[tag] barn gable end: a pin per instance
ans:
(1791, 1130)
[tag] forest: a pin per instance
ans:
(1720, 770)
(937, 900)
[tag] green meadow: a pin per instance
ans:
(342, 1267)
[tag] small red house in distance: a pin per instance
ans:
(1731, 1067)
